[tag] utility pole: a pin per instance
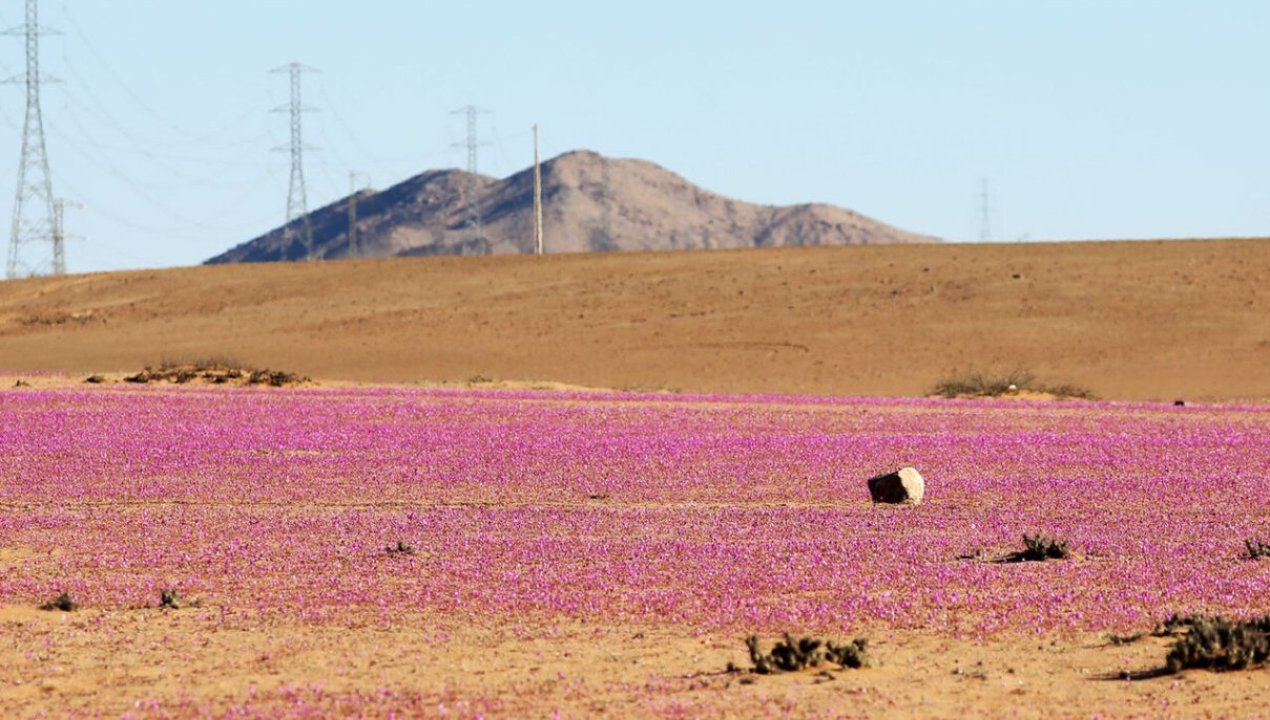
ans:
(472, 113)
(985, 211)
(297, 204)
(538, 250)
(352, 215)
(34, 213)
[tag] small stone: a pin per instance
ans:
(904, 486)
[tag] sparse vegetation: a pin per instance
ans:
(211, 362)
(170, 599)
(274, 378)
(1215, 643)
(991, 384)
(1038, 548)
(62, 317)
(792, 655)
(401, 548)
(1117, 639)
(1175, 624)
(63, 602)
(217, 371)
(1257, 549)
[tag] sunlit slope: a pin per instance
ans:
(1132, 320)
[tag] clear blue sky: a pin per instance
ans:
(1092, 118)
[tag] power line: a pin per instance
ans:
(297, 204)
(101, 62)
(34, 211)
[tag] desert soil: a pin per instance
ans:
(1132, 321)
(1137, 321)
(168, 663)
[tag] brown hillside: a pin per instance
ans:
(1141, 320)
(591, 203)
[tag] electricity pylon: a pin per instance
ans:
(34, 210)
(475, 233)
(297, 204)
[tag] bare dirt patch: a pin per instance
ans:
(1128, 321)
(212, 660)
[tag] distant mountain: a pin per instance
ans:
(591, 203)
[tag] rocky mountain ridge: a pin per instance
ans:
(591, 203)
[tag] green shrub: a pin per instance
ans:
(62, 602)
(993, 384)
(170, 599)
(1215, 643)
(792, 655)
(1257, 549)
(1118, 639)
(401, 548)
(1037, 548)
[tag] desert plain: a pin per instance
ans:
(573, 485)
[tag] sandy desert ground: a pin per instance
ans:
(1128, 320)
(165, 664)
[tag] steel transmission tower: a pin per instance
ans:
(475, 234)
(297, 204)
(34, 211)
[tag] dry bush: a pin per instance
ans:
(995, 384)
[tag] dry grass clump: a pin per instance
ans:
(995, 384)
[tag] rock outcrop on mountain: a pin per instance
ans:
(591, 203)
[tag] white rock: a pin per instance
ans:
(904, 486)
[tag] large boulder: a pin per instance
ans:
(904, 486)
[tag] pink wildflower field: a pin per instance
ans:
(714, 514)
(721, 512)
